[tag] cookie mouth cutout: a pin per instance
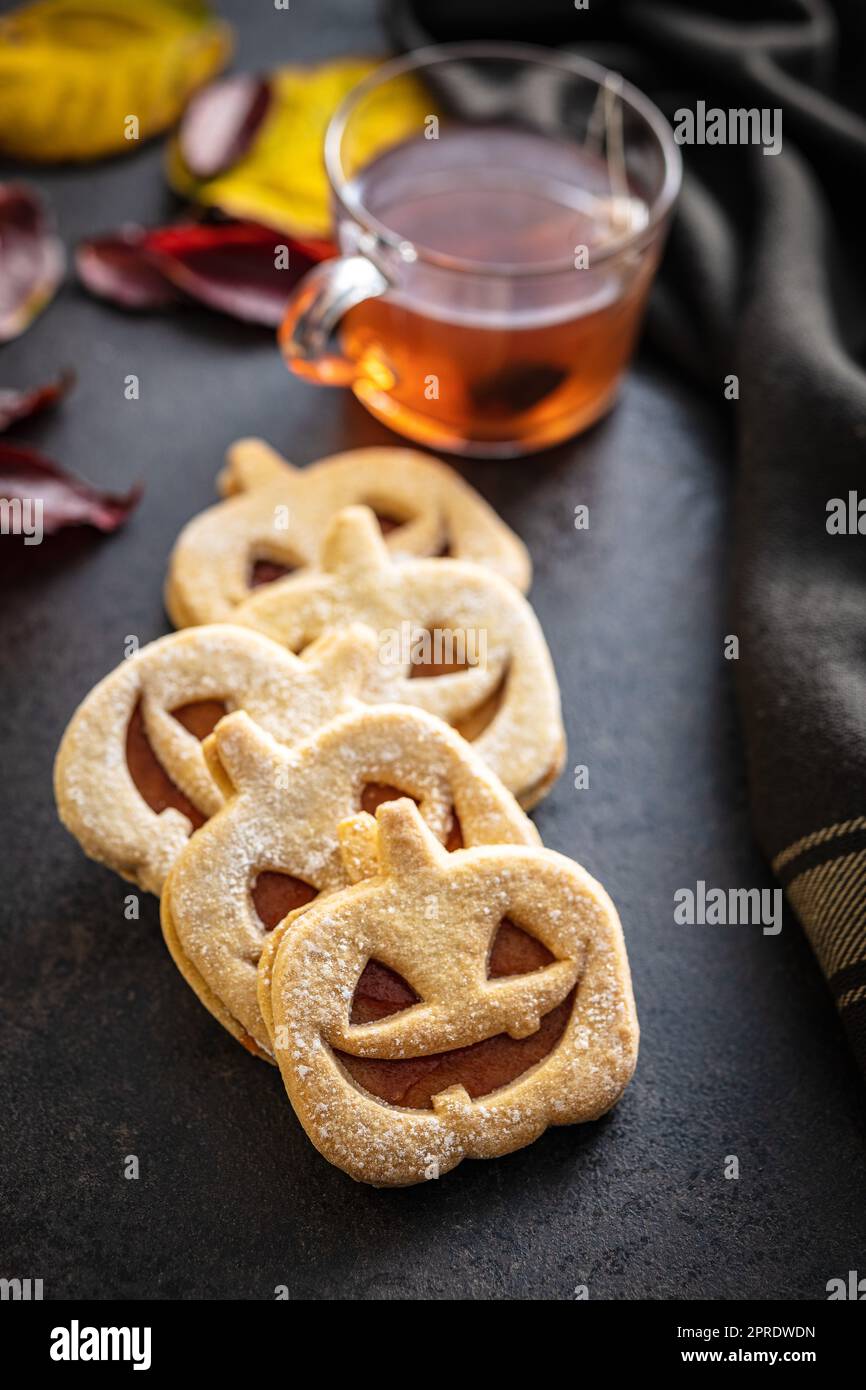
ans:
(473, 723)
(480, 1068)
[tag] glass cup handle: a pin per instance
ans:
(321, 299)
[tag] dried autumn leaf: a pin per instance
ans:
(241, 269)
(40, 491)
(281, 179)
(73, 73)
(17, 405)
(32, 259)
(238, 268)
(118, 267)
(221, 122)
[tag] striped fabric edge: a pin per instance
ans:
(824, 875)
(818, 837)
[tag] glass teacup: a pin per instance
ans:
(500, 210)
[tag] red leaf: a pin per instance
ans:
(32, 259)
(235, 267)
(28, 478)
(220, 122)
(18, 405)
(118, 267)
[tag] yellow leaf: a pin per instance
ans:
(281, 180)
(85, 78)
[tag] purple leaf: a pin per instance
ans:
(220, 122)
(33, 486)
(17, 405)
(118, 267)
(240, 268)
(32, 259)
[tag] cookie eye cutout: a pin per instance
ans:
(481, 1068)
(514, 952)
(375, 794)
(379, 993)
(275, 895)
(150, 777)
(454, 838)
(200, 717)
(439, 650)
(264, 571)
(388, 520)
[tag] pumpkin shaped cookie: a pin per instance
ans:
(130, 777)
(505, 699)
(275, 846)
(276, 515)
(464, 1059)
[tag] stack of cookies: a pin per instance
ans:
(325, 774)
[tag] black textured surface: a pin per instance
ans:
(107, 1053)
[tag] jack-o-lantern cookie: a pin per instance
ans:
(130, 777)
(453, 1006)
(494, 679)
(275, 846)
(275, 517)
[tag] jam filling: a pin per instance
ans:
(200, 717)
(387, 521)
(428, 670)
(263, 571)
(266, 571)
(515, 952)
(375, 794)
(380, 992)
(276, 895)
(454, 838)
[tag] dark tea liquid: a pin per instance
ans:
(493, 352)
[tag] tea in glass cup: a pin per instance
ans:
(496, 261)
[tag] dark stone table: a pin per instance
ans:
(106, 1052)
